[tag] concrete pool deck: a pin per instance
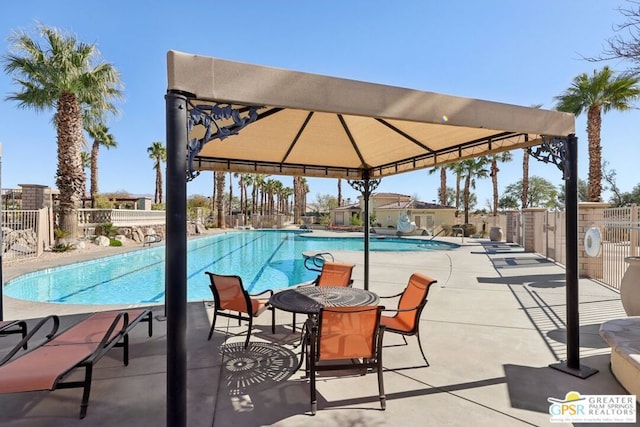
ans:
(494, 322)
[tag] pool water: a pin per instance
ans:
(264, 259)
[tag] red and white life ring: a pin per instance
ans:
(593, 242)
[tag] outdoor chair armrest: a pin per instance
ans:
(269, 291)
(314, 282)
(396, 310)
(56, 324)
(392, 296)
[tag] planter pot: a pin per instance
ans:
(630, 287)
(495, 234)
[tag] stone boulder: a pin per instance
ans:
(102, 241)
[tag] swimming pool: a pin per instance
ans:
(264, 259)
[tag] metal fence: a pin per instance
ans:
(25, 233)
(619, 230)
(544, 232)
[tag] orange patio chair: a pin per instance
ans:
(335, 274)
(332, 274)
(346, 338)
(406, 320)
(232, 300)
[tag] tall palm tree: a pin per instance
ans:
(525, 178)
(158, 153)
(219, 178)
(101, 137)
(230, 193)
(286, 193)
(258, 184)
(495, 158)
(597, 94)
(442, 193)
(339, 192)
(69, 77)
(86, 164)
(471, 169)
(300, 190)
(243, 189)
(457, 169)
(248, 182)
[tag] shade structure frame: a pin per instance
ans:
(401, 130)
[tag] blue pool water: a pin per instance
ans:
(264, 260)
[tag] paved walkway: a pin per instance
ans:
(494, 322)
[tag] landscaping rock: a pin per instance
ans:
(102, 241)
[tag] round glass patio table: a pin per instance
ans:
(310, 299)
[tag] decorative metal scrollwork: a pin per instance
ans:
(208, 116)
(552, 150)
(364, 185)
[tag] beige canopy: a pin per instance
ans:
(320, 126)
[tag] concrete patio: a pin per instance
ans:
(494, 322)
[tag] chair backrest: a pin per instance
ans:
(228, 293)
(414, 296)
(335, 274)
(348, 332)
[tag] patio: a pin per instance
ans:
(494, 322)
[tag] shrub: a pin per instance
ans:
(114, 242)
(62, 247)
(107, 229)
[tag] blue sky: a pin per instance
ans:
(517, 52)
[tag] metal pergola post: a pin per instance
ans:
(365, 186)
(568, 160)
(176, 259)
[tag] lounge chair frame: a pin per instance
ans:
(14, 327)
(117, 335)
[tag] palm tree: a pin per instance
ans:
(443, 182)
(86, 164)
(69, 77)
(219, 178)
(243, 189)
(101, 137)
(230, 194)
(457, 168)
(339, 192)
(258, 184)
(158, 153)
(300, 190)
(495, 158)
(286, 193)
(525, 178)
(248, 181)
(471, 169)
(599, 93)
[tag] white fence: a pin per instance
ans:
(25, 233)
(89, 219)
(120, 217)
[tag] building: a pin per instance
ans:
(386, 208)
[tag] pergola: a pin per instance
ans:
(229, 116)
